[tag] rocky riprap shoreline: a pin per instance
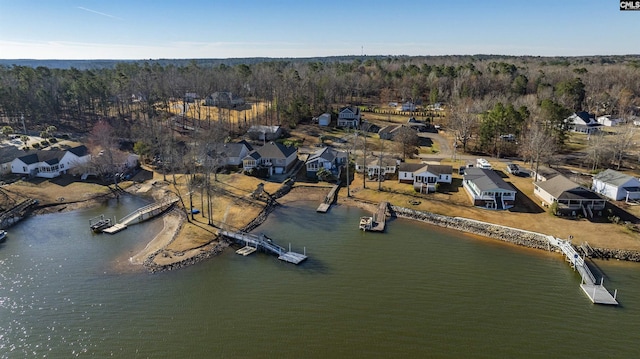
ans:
(507, 234)
(204, 254)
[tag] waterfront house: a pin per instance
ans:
(327, 158)
(424, 177)
(616, 185)
(374, 165)
(229, 154)
(487, 189)
(50, 163)
(349, 117)
(544, 174)
(275, 157)
(571, 198)
(7, 155)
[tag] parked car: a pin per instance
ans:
(513, 168)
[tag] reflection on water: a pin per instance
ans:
(413, 291)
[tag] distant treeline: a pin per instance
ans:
(136, 96)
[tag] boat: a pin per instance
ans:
(366, 223)
(3, 235)
(101, 224)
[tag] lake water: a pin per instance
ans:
(414, 291)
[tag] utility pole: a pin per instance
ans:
(364, 159)
(380, 167)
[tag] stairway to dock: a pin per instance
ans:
(597, 293)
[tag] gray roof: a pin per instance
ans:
(227, 149)
(547, 172)
(276, 150)
(9, 153)
(327, 153)
(440, 169)
(79, 151)
(50, 157)
(613, 177)
(557, 185)
(486, 180)
(411, 167)
(421, 167)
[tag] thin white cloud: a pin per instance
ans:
(99, 13)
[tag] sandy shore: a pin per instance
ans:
(171, 225)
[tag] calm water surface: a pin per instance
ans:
(414, 291)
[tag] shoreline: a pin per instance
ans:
(486, 230)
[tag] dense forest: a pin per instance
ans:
(486, 96)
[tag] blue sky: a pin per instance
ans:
(141, 29)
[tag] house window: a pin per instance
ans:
(62, 165)
(24, 169)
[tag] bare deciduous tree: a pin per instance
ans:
(407, 141)
(538, 145)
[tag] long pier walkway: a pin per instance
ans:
(596, 292)
(141, 214)
(253, 242)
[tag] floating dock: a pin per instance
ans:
(597, 293)
(253, 242)
(377, 223)
(115, 228)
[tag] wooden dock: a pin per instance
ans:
(329, 199)
(115, 228)
(597, 293)
(254, 242)
(380, 218)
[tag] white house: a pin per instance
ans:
(52, 163)
(327, 158)
(7, 155)
(424, 177)
(582, 122)
(374, 165)
(616, 185)
(570, 196)
(276, 157)
(606, 120)
(487, 189)
(349, 117)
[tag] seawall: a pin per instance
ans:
(507, 234)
